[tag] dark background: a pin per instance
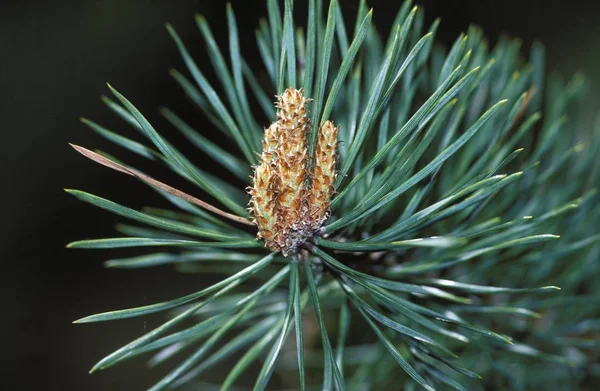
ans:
(56, 57)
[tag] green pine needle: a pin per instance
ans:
(463, 199)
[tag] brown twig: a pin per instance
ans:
(159, 185)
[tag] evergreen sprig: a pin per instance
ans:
(457, 172)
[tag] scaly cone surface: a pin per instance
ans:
(286, 211)
(292, 164)
(324, 174)
(263, 202)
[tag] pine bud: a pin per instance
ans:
(324, 174)
(286, 211)
(292, 163)
(263, 204)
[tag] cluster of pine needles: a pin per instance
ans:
(465, 196)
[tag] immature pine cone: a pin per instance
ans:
(263, 204)
(324, 174)
(286, 210)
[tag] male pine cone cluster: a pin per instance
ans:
(288, 203)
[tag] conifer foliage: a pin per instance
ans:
(403, 219)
